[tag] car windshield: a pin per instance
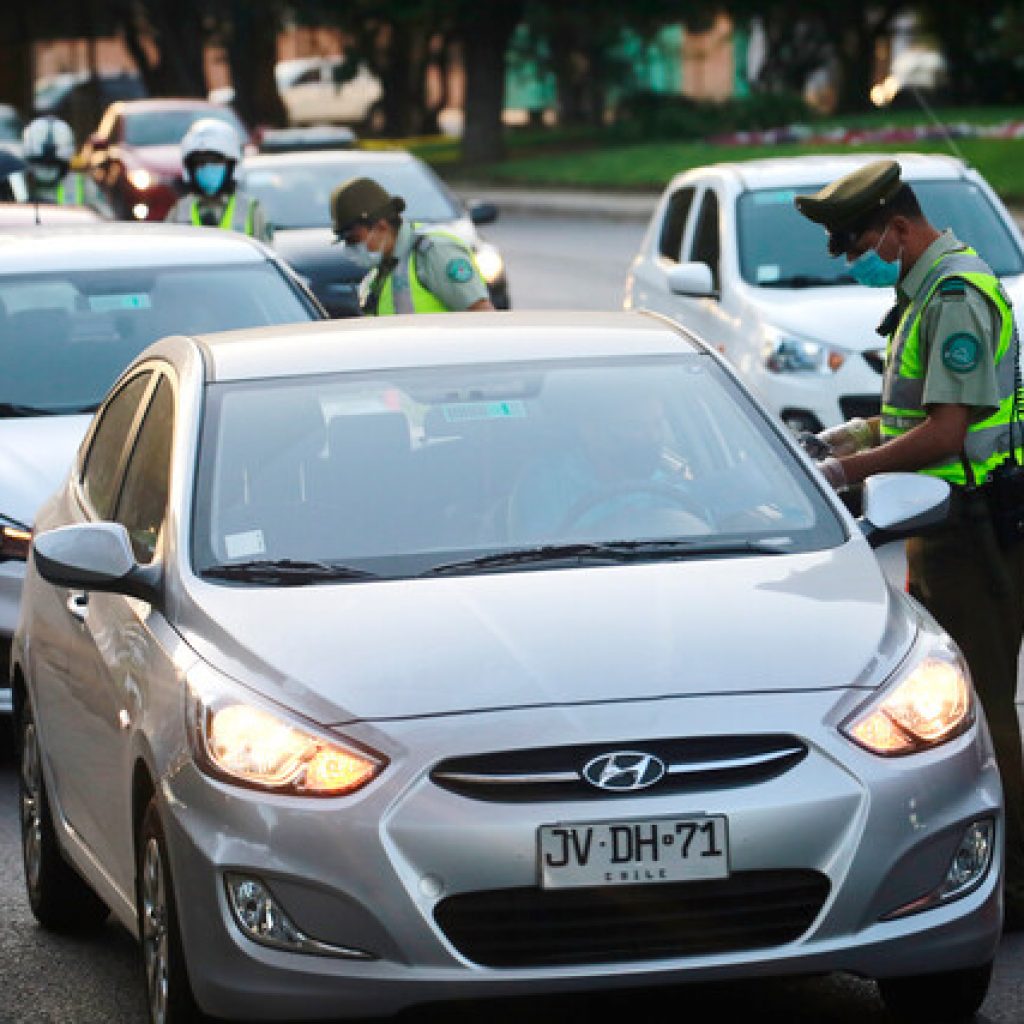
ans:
(481, 468)
(166, 127)
(65, 337)
(780, 248)
(297, 195)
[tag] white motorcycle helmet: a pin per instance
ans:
(210, 136)
(48, 145)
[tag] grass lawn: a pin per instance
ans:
(589, 158)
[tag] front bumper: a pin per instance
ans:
(369, 872)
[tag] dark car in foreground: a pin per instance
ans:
(379, 662)
(295, 190)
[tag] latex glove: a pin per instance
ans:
(832, 470)
(852, 436)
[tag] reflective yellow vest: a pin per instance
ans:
(988, 441)
(416, 298)
(227, 220)
(79, 199)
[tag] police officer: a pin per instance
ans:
(410, 269)
(948, 410)
(48, 146)
(210, 154)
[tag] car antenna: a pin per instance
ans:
(922, 103)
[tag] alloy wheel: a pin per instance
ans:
(31, 807)
(154, 930)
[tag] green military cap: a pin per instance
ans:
(361, 199)
(844, 206)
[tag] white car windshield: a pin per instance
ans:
(483, 467)
(65, 337)
(778, 248)
(297, 194)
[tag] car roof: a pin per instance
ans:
(818, 168)
(330, 156)
(36, 214)
(120, 246)
(439, 339)
(164, 103)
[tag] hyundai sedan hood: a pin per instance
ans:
(408, 648)
(35, 456)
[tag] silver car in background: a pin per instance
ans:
(371, 663)
(77, 304)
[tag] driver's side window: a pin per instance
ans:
(706, 246)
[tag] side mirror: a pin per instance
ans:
(899, 505)
(94, 556)
(691, 279)
(483, 213)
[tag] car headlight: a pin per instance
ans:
(489, 263)
(237, 739)
(787, 353)
(141, 179)
(929, 703)
(15, 541)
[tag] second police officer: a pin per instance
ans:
(950, 409)
(48, 147)
(210, 154)
(409, 269)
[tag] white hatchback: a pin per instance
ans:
(728, 255)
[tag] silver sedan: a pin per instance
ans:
(370, 663)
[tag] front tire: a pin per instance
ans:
(951, 998)
(169, 996)
(60, 899)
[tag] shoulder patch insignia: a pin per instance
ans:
(460, 270)
(961, 352)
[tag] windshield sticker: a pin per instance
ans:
(774, 196)
(116, 303)
(245, 545)
(768, 272)
(513, 410)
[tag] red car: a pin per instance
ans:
(134, 154)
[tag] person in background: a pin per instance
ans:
(210, 154)
(409, 269)
(48, 147)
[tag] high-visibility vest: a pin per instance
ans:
(417, 298)
(987, 442)
(79, 199)
(227, 220)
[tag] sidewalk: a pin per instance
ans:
(570, 202)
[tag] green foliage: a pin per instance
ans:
(647, 115)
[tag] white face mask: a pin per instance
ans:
(363, 257)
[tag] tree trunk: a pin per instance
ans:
(16, 60)
(485, 34)
(252, 54)
(178, 31)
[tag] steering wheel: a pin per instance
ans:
(671, 495)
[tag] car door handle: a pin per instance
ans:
(78, 604)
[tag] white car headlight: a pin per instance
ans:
(929, 703)
(237, 739)
(783, 352)
(489, 263)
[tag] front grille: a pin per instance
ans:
(703, 763)
(864, 406)
(542, 928)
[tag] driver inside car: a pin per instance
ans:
(612, 474)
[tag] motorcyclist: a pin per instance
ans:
(48, 147)
(210, 154)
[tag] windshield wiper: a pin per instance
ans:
(806, 281)
(286, 572)
(613, 551)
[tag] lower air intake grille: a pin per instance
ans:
(539, 928)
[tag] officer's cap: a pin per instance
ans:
(845, 206)
(361, 199)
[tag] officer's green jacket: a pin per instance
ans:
(956, 343)
(431, 271)
(234, 212)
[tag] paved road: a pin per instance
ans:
(555, 261)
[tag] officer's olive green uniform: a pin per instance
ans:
(74, 189)
(428, 272)
(953, 340)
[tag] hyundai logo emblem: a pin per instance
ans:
(624, 771)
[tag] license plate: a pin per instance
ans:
(636, 852)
